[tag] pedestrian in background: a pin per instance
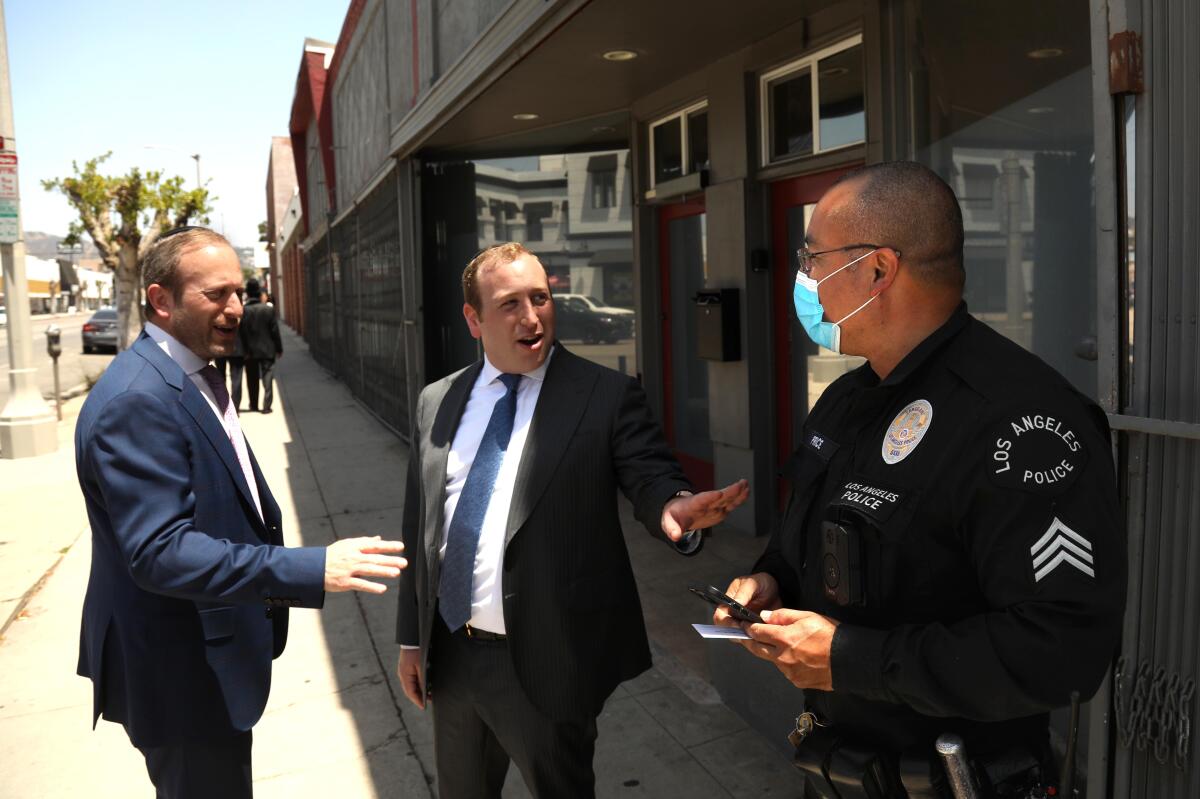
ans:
(952, 558)
(187, 602)
(237, 363)
(261, 343)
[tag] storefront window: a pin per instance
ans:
(814, 104)
(842, 111)
(791, 116)
(679, 144)
(586, 247)
(1008, 123)
(668, 150)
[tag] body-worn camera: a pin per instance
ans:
(841, 563)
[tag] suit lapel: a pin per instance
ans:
(559, 408)
(195, 404)
(441, 436)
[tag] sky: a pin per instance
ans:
(213, 77)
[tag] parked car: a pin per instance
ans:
(100, 330)
(595, 305)
(575, 319)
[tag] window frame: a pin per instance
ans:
(685, 151)
(811, 62)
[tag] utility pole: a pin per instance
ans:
(27, 423)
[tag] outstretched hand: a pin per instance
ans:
(702, 510)
(350, 560)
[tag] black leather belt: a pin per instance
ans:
(482, 635)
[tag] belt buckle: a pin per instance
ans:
(806, 722)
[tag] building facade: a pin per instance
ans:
(665, 157)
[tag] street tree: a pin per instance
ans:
(124, 215)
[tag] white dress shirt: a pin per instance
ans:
(191, 364)
(487, 598)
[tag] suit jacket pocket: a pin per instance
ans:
(217, 623)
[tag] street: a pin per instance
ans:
(74, 367)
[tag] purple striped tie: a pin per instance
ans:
(216, 381)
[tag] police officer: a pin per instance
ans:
(952, 558)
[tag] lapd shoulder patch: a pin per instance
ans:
(1035, 452)
(906, 431)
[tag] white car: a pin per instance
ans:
(597, 306)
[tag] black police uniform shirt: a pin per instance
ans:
(975, 490)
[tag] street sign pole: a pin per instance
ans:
(27, 424)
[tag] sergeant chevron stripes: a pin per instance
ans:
(1060, 544)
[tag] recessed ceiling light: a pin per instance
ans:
(1040, 109)
(1045, 52)
(620, 55)
(524, 117)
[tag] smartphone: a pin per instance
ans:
(736, 609)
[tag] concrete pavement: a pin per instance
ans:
(337, 722)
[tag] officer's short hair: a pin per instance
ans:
(906, 205)
(492, 257)
(161, 263)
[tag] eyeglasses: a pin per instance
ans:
(807, 258)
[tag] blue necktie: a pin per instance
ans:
(458, 566)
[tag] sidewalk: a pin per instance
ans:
(337, 722)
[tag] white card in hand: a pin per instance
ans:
(716, 631)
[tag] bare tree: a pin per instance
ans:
(124, 215)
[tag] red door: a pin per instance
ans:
(792, 201)
(683, 257)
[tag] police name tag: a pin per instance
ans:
(874, 502)
(1035, 452)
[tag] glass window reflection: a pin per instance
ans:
(1008, 123)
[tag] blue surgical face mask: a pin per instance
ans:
(811, 313)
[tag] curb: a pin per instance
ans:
(37, 586)
(70, 393)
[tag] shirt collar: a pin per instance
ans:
(491, 373)
(926, 348)
(188, 361)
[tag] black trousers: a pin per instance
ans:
(201, 769)
(237, 365)
(256, 369)
(482, 719)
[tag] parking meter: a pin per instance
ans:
(53, 341)
(54, 349)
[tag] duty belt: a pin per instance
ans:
(837, 766)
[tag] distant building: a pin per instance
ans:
(281, 187)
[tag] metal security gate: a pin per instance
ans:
(359, 287)
(1153, 696)
(319, 324)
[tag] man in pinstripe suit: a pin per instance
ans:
(519, 648)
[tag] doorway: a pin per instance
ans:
(802, 370)
(683, 266)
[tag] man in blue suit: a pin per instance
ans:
(187, 603)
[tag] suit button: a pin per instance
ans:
(270, 613)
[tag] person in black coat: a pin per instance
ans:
(261, 344)
(522, 614)
(236, 362)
